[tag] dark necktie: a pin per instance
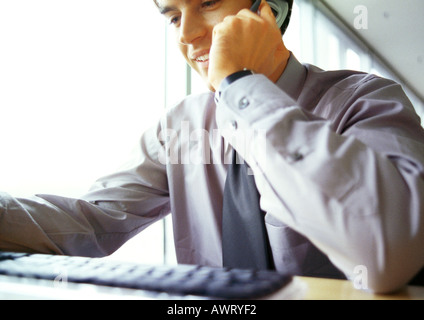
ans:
(245, 241)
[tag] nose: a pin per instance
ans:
(192, 27)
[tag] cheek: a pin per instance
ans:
(183, 51)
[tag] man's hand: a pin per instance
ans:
(247, 40)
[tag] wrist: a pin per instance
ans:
(227, 81)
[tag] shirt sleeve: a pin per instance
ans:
(115, 209)
(352, 184)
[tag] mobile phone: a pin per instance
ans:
(280, 8)
(255, 6)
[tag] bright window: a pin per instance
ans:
(79, 81)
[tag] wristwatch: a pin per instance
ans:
(232, 78)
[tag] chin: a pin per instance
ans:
(204, 76)
(206, 81)
(211, 88)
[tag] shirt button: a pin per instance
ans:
(297, 156)
(243, 103)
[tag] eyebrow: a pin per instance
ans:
(164, 10)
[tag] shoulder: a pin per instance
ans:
(195, 109)
(340, 90)
(341, 79)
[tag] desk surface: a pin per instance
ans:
(328, 289)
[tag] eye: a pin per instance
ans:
(174, 20)
(210, 3)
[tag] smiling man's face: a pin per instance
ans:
(193, 22)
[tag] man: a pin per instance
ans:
(337, 158)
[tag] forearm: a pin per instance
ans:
(358, 205)
(52, 224)
(19, 231)
(117, 207)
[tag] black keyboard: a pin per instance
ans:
(181, 280)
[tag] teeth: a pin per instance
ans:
(203, 58)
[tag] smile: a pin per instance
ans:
(203, 58)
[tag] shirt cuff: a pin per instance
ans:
(230, 79)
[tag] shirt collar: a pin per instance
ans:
(293, 78)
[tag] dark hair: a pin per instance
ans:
(286, 23)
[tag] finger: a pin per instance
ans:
(246, 13)
(265, 12)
